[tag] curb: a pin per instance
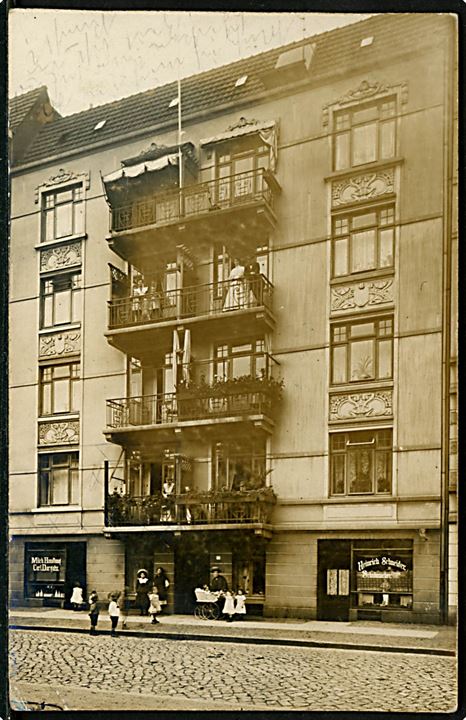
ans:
(289, 642)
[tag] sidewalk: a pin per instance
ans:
(429, 639)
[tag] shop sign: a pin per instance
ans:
(382, 563)
(45, 564)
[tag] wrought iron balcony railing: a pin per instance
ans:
(172, 408)
(196, 200)
(192, 508)
(193, 301)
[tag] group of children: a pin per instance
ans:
(234, 607)
(118, 608)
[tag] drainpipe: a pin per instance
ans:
(106, 487)
(446, 322)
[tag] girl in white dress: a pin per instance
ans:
(77, 599)
(229, 606)
(236, 295)
(240, 605)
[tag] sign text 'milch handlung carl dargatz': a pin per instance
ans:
(46, 564)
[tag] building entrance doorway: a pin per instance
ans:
(333, 586)
(191, 571)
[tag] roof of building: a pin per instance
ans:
(21, 105)
(332, 53)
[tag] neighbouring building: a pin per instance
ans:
(237, 346)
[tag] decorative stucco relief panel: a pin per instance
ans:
(350, 406)
(366, 186)
(61, 257)
(59, 433)
(361, 295)
(60, 344)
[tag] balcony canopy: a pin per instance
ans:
(265, 129)
(147, 166)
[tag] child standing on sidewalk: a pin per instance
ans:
(114, 612)
(240, 605)
(93, 611)
(124, 603)
(229, 606)
(155, 606)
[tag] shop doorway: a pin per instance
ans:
(333, 585)
(191, 571)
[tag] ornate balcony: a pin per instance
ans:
(134, 320)
(211, 508)
(242, 203)
(243, 400)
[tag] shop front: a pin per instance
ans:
(365, 579)
(187, 558)
(51, 570)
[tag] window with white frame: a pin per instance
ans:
(59, 389)
(363, 241)
(364, 133)
(60, 299)
(234, 361)
(362, 350)
(62, 213)
(58, 478)
(361, 462)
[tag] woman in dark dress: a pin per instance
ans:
(142, 592)
(162, 584)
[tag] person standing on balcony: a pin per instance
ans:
(162, 584)
(142, 590)
(253, 274)
(139, 291)
(236, 295)
(155, 304)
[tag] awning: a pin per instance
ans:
(239, 131)
(266, 129)
(132, 171)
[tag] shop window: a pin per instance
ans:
(238, 465)
(363, 241)
(60, 300)
(364, 133)
(361, 462)
(58, 479)
(362, 351)
(45, 572)
(62, 213)
(249, 573)
(383, 574)
(59, 389)
(234, 361)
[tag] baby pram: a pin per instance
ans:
(206, 604)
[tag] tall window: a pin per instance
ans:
(361, 462)
(233, 361)
(61, 300)
(59, 389)
(58, 479)
(62, 213)
(364, 134)
(363, 241)
(237, 169)
(362, 351)
(238, 465)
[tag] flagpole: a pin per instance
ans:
(180, 154)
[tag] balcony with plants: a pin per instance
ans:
(253, 399)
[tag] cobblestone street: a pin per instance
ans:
(225, 676)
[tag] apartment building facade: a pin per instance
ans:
(236, 346)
